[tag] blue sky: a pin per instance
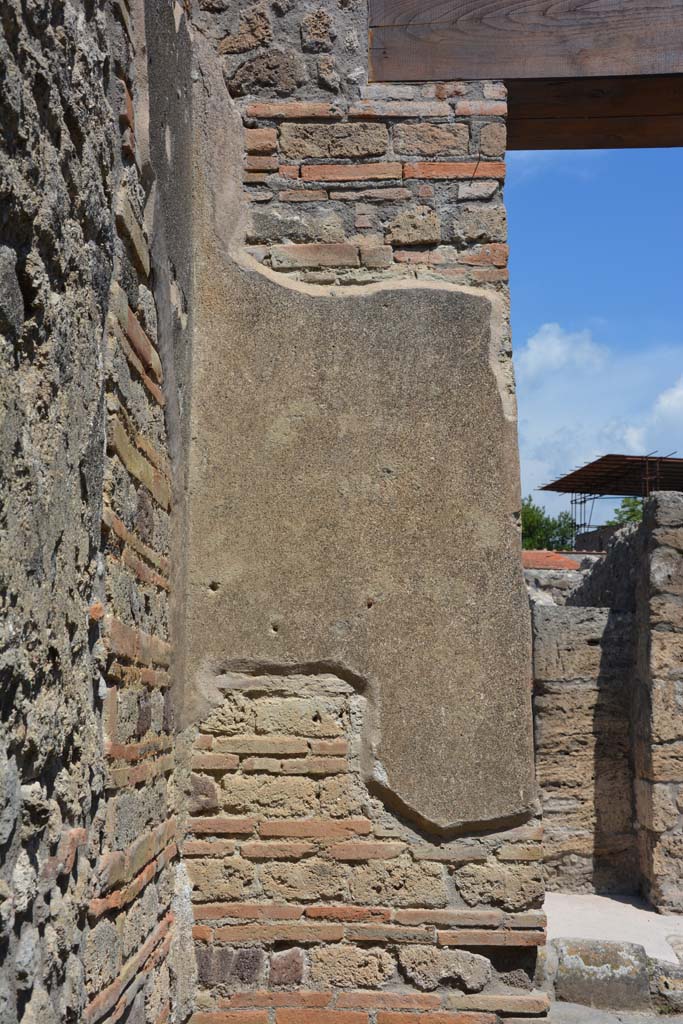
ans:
(597, 281)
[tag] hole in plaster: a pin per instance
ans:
(214, 586)
(275, 627)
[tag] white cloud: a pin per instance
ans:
(669, 405)
(579, 399)
(552, 349)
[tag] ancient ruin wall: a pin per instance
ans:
(657, 708)
(583, 663)
(89, 879)
(608, 718)
(360, 841)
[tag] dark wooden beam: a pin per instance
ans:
(441, 40)
(592, 113)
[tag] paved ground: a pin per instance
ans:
(567, 1013)
(613, 919)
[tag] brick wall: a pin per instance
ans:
(90, 876)
(314, 903)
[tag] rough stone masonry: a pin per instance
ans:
(266, 681)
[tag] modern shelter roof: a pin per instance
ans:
(622, 476)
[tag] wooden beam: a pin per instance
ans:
(441, 40)
(609, 113)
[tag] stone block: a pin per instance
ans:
(399, 883)
(510, 886)
(305, 882)
(606, 975)
(305, 141)
(431, 139)
(287, 968)
(348, 966)
(428, 967)
(417, 225)
(279, 797)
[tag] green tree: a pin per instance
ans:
(630, 511)
(541, 531)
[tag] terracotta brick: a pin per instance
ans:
(261, 163)
(222, 826)
(481, 108)
(457, 918)
(358, 851)
(280, 933)
(260, 140)
(289, 171)
(302, 766)
(373, 195)
(436, 1018)
(531, 1002)
(213, 762)
(496, 254)
(376, 257)
(351, 172)
(352, 914)
(255, 177)
(387, 1001)
(292, 111)
(320, 1017)
(203, 742)
(136, 465)
(276, 851)
(505, 937)
(330, 748)
(247, 911)
(460, 170)
(230, 1017)
(266, 745)
(303, 195)
(315, 254)
(316, 828)
(143, 347)
(399, 108)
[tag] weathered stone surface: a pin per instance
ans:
(306, 881)
(511, 886)
(492, 139)
(229, 879)
(431, 139)
(317, 31)
(480, 222)
(254, 30)
(287, 968)
(281, 71)
(350, 967)
(300, 141)
(399, 883)
(428, 967)
(329, 471)
(418, 225)
(607, 975)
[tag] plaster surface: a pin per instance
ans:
(354, 489)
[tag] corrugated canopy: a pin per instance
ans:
(622, 476)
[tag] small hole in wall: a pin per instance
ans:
(214, 587)
(274, 627)
(369, 603)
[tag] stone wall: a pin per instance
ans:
(315, 902)
(583, 661)
(359, 832)
(657, 707)
(90, 873)
(608, 717)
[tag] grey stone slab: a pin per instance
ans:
(604, 975)
(354, 488)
